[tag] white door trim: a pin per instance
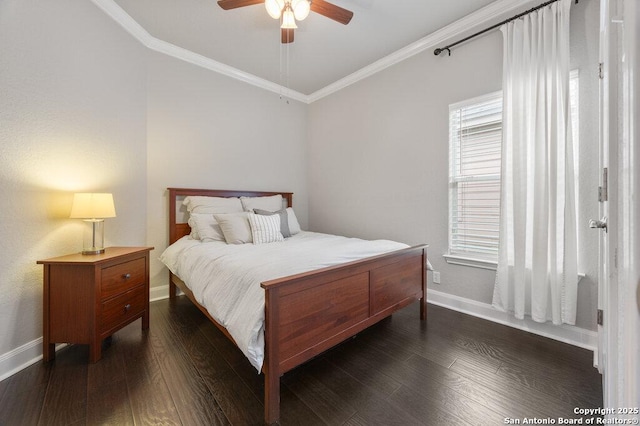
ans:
(619, 284)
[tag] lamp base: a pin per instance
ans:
(96, 251)
(93, 240)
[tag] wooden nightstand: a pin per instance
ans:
(89, 297)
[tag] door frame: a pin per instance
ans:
(619, 279)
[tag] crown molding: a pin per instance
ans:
(481, 16)
(430, 41)
(115, 12)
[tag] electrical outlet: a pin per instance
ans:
(436, 277)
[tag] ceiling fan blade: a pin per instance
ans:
(233, 4)
(286, 35)
(331, 11)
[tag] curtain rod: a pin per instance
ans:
(513, 18)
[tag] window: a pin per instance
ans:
(475, 139)
(475, 135)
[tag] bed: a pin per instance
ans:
(349, 297)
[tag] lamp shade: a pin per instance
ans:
(301, 9)
(288, 20)
(274, 8)
(92, 206)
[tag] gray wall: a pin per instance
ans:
(72, 119)
(378, 153)
(85, 107)
(208, 131)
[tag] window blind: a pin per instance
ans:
(475, 150)
(475, 139)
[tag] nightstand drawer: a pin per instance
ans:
(122, 277)
(122, 308)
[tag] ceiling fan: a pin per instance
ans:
(290, 10)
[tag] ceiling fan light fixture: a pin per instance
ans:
(301, 8)
(290, 11)
(274, 8)
(288, 19)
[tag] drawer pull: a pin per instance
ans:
(127, 307)
(126, 276)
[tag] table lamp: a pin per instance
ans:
(93, 208)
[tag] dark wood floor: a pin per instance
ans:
(454, 370)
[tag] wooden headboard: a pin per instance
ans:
(178, 230)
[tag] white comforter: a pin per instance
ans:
(226, 278)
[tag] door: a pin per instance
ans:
(619, 222)
(606, 225)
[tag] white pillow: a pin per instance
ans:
(284, 220)
(265, 229)
(235, 227)
(205, 227)
(294, 226)
(271, 203)
(194, 231)
(200, 204)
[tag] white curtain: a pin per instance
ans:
(537, 260)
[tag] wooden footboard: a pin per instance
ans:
(307, 314)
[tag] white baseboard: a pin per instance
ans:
(572, 335)
(22, 357)
(31, 352)
(158, 292)
(161, 292)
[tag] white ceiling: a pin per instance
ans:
(324, 51)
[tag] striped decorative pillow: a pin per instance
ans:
(284, 220)
(265, 229)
